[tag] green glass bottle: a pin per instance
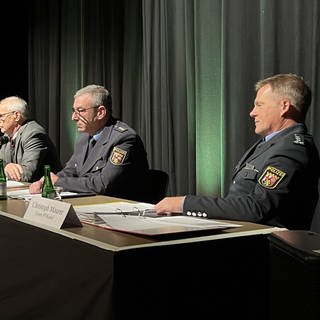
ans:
(47, 186)
(3, 182)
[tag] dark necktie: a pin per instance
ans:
(12, 145)
(9, 151)
(253, 149)
(91, 144)
(261, 143)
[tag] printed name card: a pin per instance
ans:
(52, 213)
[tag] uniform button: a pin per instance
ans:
(194, 214)
(188, 213)
(234, 181)
(199, 214)
(204, 215)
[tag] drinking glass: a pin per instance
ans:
(58, 191)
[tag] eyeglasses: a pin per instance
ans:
(80, 109)
(4, 115)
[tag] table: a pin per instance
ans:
(93, 273)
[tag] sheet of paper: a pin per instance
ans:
(136, 223)
(89, 213)
(24, 194)
(13, 184)
(19, 194)
(115, 207)
(121, 216)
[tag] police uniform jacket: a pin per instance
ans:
(113, 167)
(275, 183)
(32, 148)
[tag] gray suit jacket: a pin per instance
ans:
(115, 167)
(32, 149)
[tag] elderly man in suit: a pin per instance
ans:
(25, 147)
(109, 157)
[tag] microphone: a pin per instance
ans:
(3, 140)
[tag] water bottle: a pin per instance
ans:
(3, 182)
(47, 186)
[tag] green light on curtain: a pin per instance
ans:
(208, 86)
(209, 157)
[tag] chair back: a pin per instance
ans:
(315, 224)
(156, 186)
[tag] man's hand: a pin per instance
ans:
(170, 205)
(13, 171)
(36, 186)
(54, 178)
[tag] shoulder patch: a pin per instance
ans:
(298, 139)
(120, 129)
(118, 155)
(271, 177)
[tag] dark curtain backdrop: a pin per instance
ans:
(181, 72)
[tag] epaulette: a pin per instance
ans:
(120, 129)
(298, 139)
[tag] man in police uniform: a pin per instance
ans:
(109, 157)
(276, 181)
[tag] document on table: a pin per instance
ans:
(24, 194)
(140, 218)
(14, 184)
(139, 208)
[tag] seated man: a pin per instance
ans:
(26, 147)
(109, 157)
(276, 180)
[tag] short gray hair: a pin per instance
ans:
(16, 103)
(292, 86)
(100, 95)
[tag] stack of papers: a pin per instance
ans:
(141, 218)
(26, 195)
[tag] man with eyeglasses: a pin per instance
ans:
(26, 147)
(109, 157)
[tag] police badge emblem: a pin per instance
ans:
(117, 156)
(271, 177)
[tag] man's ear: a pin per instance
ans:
(102, 112)
(17, 116)
(285, 106)
(289, 111)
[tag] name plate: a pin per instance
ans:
(52, 213)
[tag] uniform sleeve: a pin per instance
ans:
(256, 196)
(110, 170)
(70, 168)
